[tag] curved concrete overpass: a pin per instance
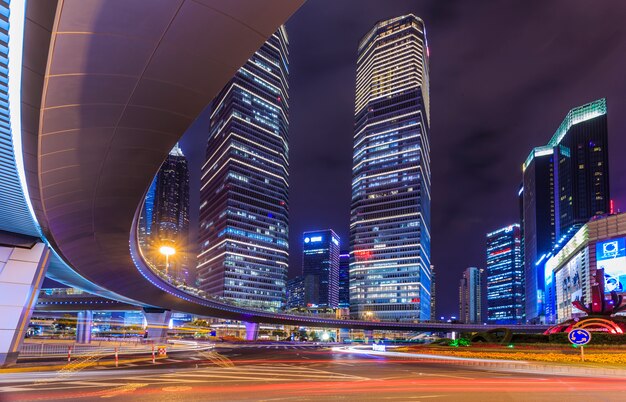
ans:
(109, 86)
(108, 89)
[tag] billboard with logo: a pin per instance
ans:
(611, 256)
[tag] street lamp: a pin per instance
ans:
(167, 251)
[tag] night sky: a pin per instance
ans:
(503, 76)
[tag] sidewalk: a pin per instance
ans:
(578, 370)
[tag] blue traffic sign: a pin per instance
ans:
(579, 336)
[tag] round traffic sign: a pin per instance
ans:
(579, 336)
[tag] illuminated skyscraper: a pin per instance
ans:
(505, 276)
(565, 183)
(344, 279)
(390, 218)
(433, 299)
(470, 296)
(320, 266)
(165, 217)
(295, 292)
(145, 219)
(244, 211)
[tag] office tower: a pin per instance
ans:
(565, 183)
(295, 292)
(165, 218)
(433, 287)
(470, 296)
(244, 211)
(344, 279)
(505, 276)
(390, 211)
(145, 219)
(539, 227)
(320, 265)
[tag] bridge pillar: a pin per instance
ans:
(343, 334)
(368, 334)
(158, 323)
(252, 330)
(23, 264)
(83, 326)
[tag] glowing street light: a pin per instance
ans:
(167, 251)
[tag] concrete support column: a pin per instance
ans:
(158, 323)
(343, 334)
(368, 334)
(23, 264)
(83, 326)
(252, 331)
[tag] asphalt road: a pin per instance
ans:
(302, 373)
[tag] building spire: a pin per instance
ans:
(176, 151)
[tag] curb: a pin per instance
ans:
(502, 365)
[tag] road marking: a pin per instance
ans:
(413, 397)
(175, 389)
(171, 380)
(122, 390)
(445, 375)
(239, 376)
(17, 388)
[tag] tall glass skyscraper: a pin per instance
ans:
(505, 276)
(390, 217)
(565, 183)
(470, 296)
(320, 265)
(344, 279)
(244, 211)
(165, 217)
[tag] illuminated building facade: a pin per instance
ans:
(165, 217)
(539, 227)
(505, 276)
(344, 279)
(565, 183)
(244, 211)
(433, 294)
(390, 211)
(295, 292)
(470, 296)
(570, 272)
(320, 268)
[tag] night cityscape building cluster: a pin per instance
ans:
(537, 268)
(386, 273)
(244, 214)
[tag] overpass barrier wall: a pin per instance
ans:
(57, 349)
